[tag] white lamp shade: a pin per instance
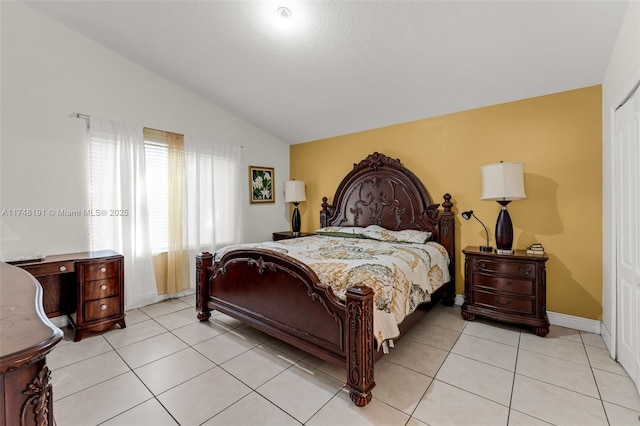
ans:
(503, 181)
(294, 191)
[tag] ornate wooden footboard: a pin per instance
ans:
(284, 298)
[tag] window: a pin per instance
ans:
(157, 165)
(165, 177)
(180, 196)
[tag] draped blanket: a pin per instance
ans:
(402, 275)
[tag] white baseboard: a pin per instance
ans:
(459, 300)
(608, 340)
(576, 323)
(563, 320)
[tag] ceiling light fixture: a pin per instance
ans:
(284, 12)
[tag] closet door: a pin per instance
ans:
(628, 235)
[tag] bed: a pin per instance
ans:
(283, 297)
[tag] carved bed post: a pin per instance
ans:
(360, 344)
(447, 239)
(324, 213)
(203, 264)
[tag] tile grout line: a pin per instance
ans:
(297, 361)
(604, 409)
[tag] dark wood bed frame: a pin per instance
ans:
(285, 299)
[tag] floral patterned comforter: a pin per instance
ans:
(402, 275)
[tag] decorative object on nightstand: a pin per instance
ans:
(294, 193)
(535, 249)
(503, 182)
(467, 215)
(508, 288)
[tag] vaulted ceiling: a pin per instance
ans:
(338, 67)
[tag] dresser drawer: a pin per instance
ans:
(102, 270)
(506, 284)
(101, 308)
(50, 268)
(504, 302)
(99, 289)
(523, 269)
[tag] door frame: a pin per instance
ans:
(609, 233)
(611, 341)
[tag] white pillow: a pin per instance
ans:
(405, 236)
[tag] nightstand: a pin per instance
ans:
(508, 288)
(100, 295)
(285, 235)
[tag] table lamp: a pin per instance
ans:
(503, 182)
(294, 193)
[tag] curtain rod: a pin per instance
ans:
(88, 117)
(82, 116)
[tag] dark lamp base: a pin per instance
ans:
(295, 221)
(486, 248)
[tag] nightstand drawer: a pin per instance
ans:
(99, 271)
(522, 269)
(504, 302)
(506, 284)
(100, 288)
(101, 308)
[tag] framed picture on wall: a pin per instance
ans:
(261, 184)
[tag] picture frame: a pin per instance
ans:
(262, 186)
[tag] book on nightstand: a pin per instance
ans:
(535, 249)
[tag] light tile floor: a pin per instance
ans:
(166, 368)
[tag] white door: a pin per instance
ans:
(627, 135)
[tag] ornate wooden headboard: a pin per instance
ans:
(381, 191)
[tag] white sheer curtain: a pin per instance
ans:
(214, 196)
(120, 219)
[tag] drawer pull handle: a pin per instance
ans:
(103, 269)
(63, 268)
(525, 269)
(103, 307)
(497, 302)
(103, 287)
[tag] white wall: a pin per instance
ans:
(622, 73)
(49, 71)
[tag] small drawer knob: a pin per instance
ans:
(63, 268)
(103, 287)
(103, 307)
(103, 269)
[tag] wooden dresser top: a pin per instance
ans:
(85, 255)
(25, 330)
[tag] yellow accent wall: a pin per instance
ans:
(559, 139)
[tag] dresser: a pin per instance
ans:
(26, 337)
(508, 288)
(88, 287)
